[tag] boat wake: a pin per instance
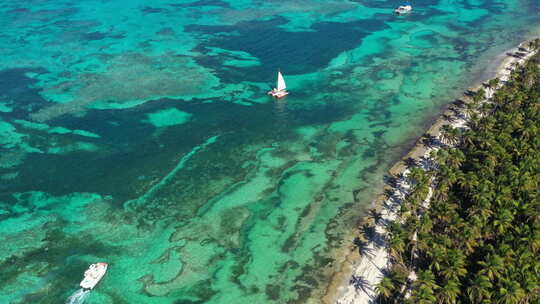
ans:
(78, 297)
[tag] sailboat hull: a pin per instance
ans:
(278, 94)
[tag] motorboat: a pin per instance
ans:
(403, 9)
(93, 275)
(280, 90)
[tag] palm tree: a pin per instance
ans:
(503, 221)
(479, 289)
(437, 253)
(449, 135)
(510, 293)
(385, 288)
(424, 288)
(493, 83)
(486, 108)
(455, 266)
(534, 44)
(492, 266)
(471, 234)
(455, 158)
(427, 279)
(397, 246)
(474, 119)
(422, 295)
(478, 96)
(529, 130)
(418, 175)
(449, 292)
(469, 181)
(392, 283)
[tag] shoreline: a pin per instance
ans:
(369, 267)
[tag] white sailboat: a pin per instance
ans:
(280, 91)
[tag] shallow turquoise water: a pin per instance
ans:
(140, 134)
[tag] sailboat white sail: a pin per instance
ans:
(280, 91)
(280, 82)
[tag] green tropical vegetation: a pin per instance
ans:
(477, 240)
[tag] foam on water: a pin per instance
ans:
(78, 297)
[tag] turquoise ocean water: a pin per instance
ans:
(139, 133)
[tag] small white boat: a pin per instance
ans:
(403, 9)
(280, 91)
(93, 275)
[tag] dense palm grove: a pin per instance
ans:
(477, 240)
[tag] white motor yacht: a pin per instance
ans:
(93, 275)
(403, 9)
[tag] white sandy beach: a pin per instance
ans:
(369, 268)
